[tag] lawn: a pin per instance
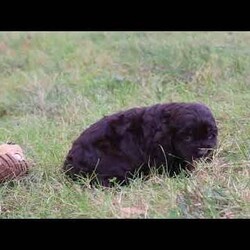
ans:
(53, 85)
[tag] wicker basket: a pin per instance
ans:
(12, 162)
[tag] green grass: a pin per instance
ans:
(54, 85)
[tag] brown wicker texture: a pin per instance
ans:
(11, 167)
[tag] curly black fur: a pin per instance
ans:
(170, 135)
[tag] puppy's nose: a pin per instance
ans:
(202, 152)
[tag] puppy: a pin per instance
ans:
(169, 136)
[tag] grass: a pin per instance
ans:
(54, 85)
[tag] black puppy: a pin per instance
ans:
(171, 135)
